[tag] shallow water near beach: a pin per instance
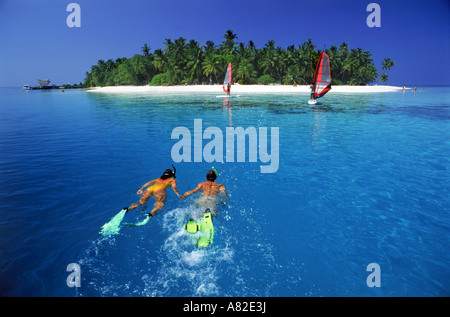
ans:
(362, 178)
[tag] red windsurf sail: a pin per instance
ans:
(227, 80)
(322, 77)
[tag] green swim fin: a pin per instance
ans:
(207, 230)
(113, 226)
(140, 223)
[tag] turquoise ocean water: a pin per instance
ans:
(362, 178)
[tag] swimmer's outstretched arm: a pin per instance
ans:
(224, 192)
(191, 191)
(174, 187)
(146, 185)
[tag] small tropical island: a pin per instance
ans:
(182, 62)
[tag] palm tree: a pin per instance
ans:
(174, 75)
(209, 48)
(384, 78)
(387, 63)
(181, 61)
(146, 49)
(268, 62)
(293, 76)
(179, 46)
(283, 62)
(175, 53)
(343, 50)
(230, 36)
(350, 65)
(308, 59)
(245, 72)
(292, 66)
(194, 61)
(211, 66)
(228, 46)
(109, 65)
(335, 62)
(251, 45)
(159, 61)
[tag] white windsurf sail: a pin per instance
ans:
(227, 81)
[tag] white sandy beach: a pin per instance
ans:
(240, 89)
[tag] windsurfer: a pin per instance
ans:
(322, 78)
(227, 81)
(312, 91)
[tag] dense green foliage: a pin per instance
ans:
(182, 62)
(266, 79)
(158, 80)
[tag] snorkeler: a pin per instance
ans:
(211, 192)
(158, 189)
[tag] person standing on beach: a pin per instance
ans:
(158, 190)
(211, 192)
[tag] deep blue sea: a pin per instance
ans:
(362, 178)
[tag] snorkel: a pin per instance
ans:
(169, 173)
(214, 171)
(211, 175)
(174, 171)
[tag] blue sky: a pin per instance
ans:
(35, 41)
